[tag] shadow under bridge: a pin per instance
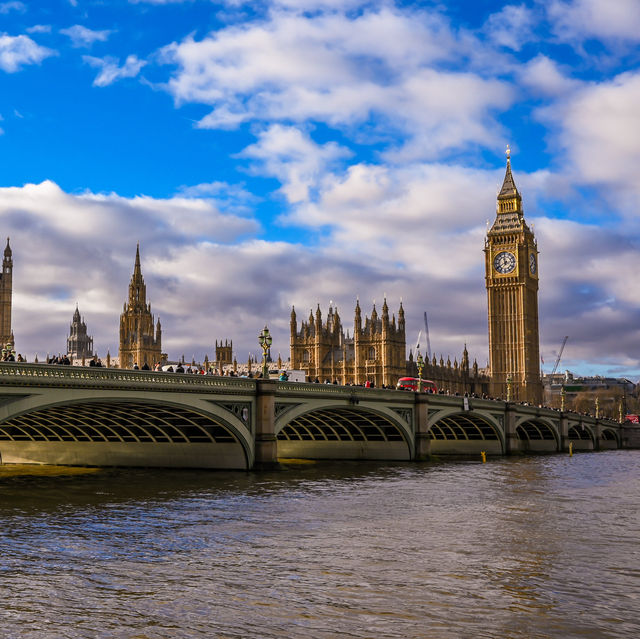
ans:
(339, 432)
(465, 433)
(123, 433)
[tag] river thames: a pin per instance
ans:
(529, 547)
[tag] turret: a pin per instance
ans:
(464, 362)
(357, 329)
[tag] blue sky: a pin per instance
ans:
(296, 152)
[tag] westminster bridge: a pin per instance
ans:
(110, 417)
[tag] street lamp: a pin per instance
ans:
(509, 380)
(265, 340)
(420, 365)
(597, 407)
(563, 395)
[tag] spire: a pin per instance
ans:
(136, 268)
(76, 315)
(509, 217)
(508, 189)
(7, 250)
(137, 288)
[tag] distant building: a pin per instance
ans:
(140, 343)
(585, 389)
(6, 291)
(224, 354)
(79, 344)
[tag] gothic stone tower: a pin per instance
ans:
(79, 344)
(6, 289)
(511, 266)
(138, 345)
(224, 354)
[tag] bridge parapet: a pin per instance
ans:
(20, 374)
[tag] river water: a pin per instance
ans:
(533, 547)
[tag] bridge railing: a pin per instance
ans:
(16, 373)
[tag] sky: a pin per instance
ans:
(281, 153)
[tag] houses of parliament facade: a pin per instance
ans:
(376, 349)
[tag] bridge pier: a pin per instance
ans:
(266, 451)
(422, 438)
(511, 441)
(564, 433)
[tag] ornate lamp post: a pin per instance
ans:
(420, 365)
(265, 341)
(620, 411)
(563, 395)
(597, 407)
(509, 380)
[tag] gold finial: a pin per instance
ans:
(508, 152)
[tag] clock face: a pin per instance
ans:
(504, 262)
(532, 263)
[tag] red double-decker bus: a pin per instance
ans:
(411, 384)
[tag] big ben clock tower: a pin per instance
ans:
(511, 264)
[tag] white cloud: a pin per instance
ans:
(17, 51)
(294, 158)
(110, 72)
(599, 128)
(582, 19)
(543, 75)
(378, 66)
(512, 27)
(6, 7)
(81, 36)
(39, 28)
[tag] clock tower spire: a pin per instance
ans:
(511, 267)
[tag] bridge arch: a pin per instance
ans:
(537, 434)
(581, 436)
(609, 439)
(339, 431)
(117, 431)
(465, 432)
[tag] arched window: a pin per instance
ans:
(372, 353)
(305, 356)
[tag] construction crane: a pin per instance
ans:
(555, 366)
(426, 330)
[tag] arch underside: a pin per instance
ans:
(583, 439)
(608, 439)
(464, 434)
(120, 434)
(536, 436)
(342, 433)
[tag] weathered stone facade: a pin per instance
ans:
(139, 342)
(376, 352)
(453, 378)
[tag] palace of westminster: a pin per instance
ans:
(376, 349)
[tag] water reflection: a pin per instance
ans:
(530, 547)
